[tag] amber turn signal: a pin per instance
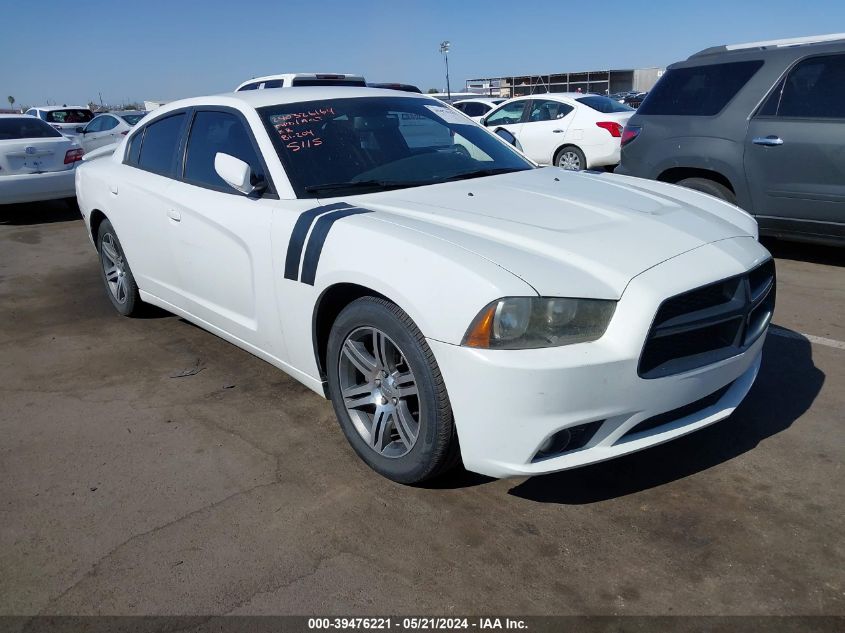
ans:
(481, 331)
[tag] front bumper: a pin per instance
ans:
(507, 403)
(48, 185)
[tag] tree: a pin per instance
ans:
(433, 91)
(11, 101)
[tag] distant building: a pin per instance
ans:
(595, 81)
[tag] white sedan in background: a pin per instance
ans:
(36, 162)
(570, 130)
(397, 258)
(475, 109)
(69, 120)
(108, 128)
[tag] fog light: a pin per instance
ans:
(555, 444)
(567, 440)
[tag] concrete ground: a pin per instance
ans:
(125, 490)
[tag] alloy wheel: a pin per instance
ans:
(379, 392)
(114, 267)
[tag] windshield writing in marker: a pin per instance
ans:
(300, 130)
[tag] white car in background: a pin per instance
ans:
(36, 161)
(108, 128)
(475, 109)
(302, 80)
(436, 286)
(69, 120)
(570, 130)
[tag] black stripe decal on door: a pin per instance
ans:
(318, 238)
(300, 232)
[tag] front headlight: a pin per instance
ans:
(532, 322)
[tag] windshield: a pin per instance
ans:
(25, 127)
(604, 104)
(68, 116)
(375, 143)
(132, 119)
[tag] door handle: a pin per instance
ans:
(174, 215)
(558, 131)
(113, 189)
(768, 141)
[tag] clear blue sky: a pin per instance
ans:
(154, 49)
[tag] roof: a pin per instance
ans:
(481, 100)
(772, 44)
(552, 95)
(292, 76)
(52, 108)
(277, 96)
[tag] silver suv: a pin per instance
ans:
(761, 125)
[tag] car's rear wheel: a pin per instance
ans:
(712, 187)
(120, 284)
(571, 158)
(388, 394)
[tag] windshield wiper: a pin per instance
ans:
(398, 184)
(363, 184)
(480, 173)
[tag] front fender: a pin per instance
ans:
(441, 286)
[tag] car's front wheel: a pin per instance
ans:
(117, 276)
(388, 394)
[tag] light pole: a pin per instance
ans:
(444, 48)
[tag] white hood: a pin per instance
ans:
(565, 233)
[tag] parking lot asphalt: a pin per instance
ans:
(125, 489)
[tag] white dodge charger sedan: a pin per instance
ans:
(453, 300)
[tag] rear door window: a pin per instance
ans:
(698, 90)
(214, 132)
(161, 140)
(813, 89)
(548, 110)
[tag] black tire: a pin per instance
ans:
(577, 155)
(712, 187)
(127, 302)
(435, 449)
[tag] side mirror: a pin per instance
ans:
(81, 130)
(507, 136)
(483, 121)
(237, 174)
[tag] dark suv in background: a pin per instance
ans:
(761, 125)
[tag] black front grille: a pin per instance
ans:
(710, 323)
